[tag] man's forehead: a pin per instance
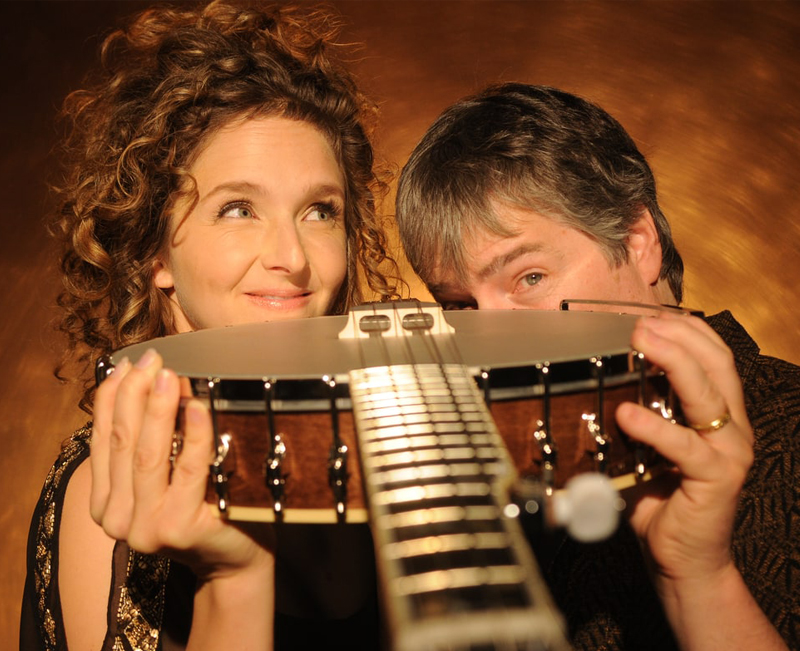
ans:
(487, 245)
(446, 282)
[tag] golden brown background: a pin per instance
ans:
(709, 90)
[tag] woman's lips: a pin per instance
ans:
(280, 300)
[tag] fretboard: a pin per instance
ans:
(456, 569)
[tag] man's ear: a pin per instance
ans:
(162, 276)
(644, 247)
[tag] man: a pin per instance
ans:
(523, 196)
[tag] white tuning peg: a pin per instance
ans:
(588, 507)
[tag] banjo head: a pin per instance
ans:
(311, 348)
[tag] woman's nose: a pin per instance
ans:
(283, 249)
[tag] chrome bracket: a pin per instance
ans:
(542, 433)
(337, 457)
(102, 369)
(639, 452)
(222, 445)
(601, 440)
(274, 477)
(597, 423)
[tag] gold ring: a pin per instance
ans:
(713, 426)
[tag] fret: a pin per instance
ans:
(432, 449)
(427, 416)
(416, 471)
(447, 543)
(424, 455)
(407, 433)
(432, 492)
(382, 450)
(463, 559)
(416, 408)
(384, 401)
(419, 531)
(466, 577)
(449, 514)
(413, 392)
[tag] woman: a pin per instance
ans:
(219, 172)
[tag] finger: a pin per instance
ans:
(706, 346)
(151, 461)
(126, 425)
(700, 371)
(102, 413)
(191, 469)
(723, 462)
(186, 508)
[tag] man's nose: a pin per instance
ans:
(492, 301)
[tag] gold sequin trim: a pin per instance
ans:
(46, 534)
(141, 603)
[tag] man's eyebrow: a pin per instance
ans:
(438, 289)
(499, 261)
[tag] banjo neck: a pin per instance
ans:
(456, 570)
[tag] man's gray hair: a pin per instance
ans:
(534, 147)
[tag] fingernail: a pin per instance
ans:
(195, 411)
(162, 381)
(146, 359)
(651, 324)
(121, 366)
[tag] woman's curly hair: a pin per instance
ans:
(167, 82)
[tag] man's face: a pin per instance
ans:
(546, 262)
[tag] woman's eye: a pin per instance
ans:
(323, 213)
(237, 211)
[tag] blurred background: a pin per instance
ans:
(709, 90)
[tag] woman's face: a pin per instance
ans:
(266, 239)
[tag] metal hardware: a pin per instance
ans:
(374, 323)
(337, 457)
(222, 442)
(102, 369)
(175, 450)
(597, 424)
(543, 434)
(627, 307)
(483, 382)
(395, 319)
(276, 482)
(418, 321)
(639, 452)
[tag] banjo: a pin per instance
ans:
(439, 428)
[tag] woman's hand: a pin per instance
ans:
(139, 496)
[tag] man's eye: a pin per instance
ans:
(532, 279)
(458, 305)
